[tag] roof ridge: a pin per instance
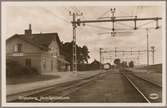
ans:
(41, 40)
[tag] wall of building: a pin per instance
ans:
(28, 52)
(59, 62)
(54, 48)
(48, 63)
(49, 59)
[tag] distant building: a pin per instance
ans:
(95, 65)
(41, 51)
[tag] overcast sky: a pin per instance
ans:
(57, 19)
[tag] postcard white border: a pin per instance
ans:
(5, 4)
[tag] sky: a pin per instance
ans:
(57, 19)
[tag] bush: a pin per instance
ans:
(14, 69)
(32, 71)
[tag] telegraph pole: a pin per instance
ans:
(153, 50)
(115, 51)
(147, 47)
(74, 55)
(112, 18)
(100, 58)
(74, 45)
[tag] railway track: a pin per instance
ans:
(60, 90)
(65, 91)
(158, 85)
(140, 86)
(151, 92)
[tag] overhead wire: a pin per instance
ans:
(72, 9)
(103, 14)
(141, 25)
(124, 13)
(57, 16)
(76, 9)
(99, 27)
(125, 24)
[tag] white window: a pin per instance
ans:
(52, 48)
(18, 48)
(44, 62)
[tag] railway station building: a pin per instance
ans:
(40, 51)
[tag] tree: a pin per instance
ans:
(66, 51)
(82, 52)
(124, 64)
(85, 53)
(117, 62)
(131, 64)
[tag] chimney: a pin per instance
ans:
(28, 32)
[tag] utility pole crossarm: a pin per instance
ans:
(126, 51)
(78, 22)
